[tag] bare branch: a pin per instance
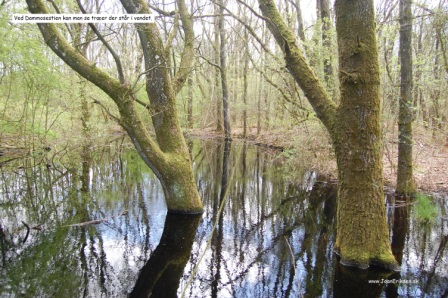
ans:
(252, 10)
(107, 45)
(141, 74)
(171, 36)
(303, 74)
(210, 62)
(251, 31)
(162, 12)
(187, 55)
(106, 110)
(73, 58)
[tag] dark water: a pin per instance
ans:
(267, 231)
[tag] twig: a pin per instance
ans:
(143, 73)
(27, 231)
(107, 45)
(88, 223)
(293, 264)
(106, 110)
(95, 221)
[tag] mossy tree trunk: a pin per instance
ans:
(405, 178)
(354, 126)
(167, 155)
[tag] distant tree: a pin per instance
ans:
(223, 70)
(354, 127)
(405, 178)
(166, 154)
(323, 13)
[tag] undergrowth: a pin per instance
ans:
(425, 210)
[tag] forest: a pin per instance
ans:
(229, 119)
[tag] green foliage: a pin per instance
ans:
(40, 98)
(425, 210)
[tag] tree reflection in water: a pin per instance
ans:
(274, 237)
(161, 274)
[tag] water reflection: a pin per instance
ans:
(267, 231)
(161, 274)
(353, 282)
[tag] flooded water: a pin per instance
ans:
(95, 225)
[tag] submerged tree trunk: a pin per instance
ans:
(354, 126)
(405, 179)
(167, 155)
(362, 232)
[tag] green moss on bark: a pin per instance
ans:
(168, 155)
(354, 126)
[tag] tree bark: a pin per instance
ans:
(325, 19)
(245, 84)
(167, 156)
(190, 102)
(405, 178)
(216, 47)
(300, 28)
(223, 71)
(354, 126)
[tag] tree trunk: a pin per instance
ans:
(216, 46)
(405, 179)
(223, 70)
(300, 28)
(245, 84)
(190, 102)
(323, 8)
(362, 232)
(354, 126)
(168, 155)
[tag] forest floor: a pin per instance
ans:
(312, 148)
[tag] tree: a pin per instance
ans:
(223, 71)
(405, 179)
(354, 126)
(166, 154)
(323, 12)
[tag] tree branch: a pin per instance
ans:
(107, 45)
(250, 29)
(106, 110)
(284, 95)
(162, 12)
(170, 38)
(188, 51)
(313, 88)
(121, 94)
(74, 59)
(210, 62)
